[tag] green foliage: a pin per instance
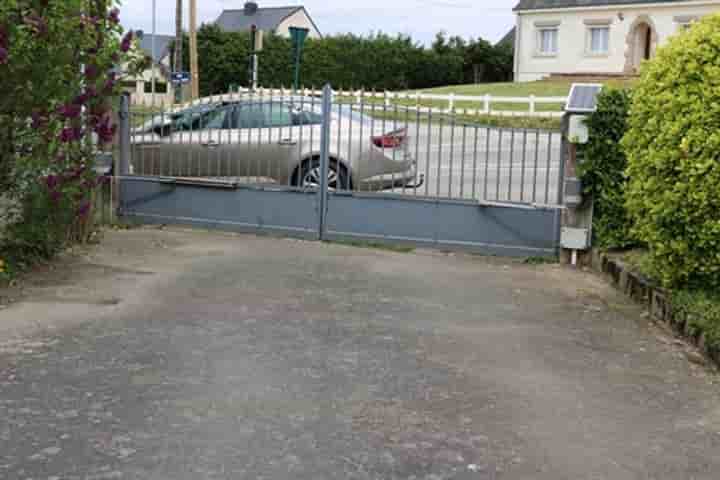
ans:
(59, 71)
(603, 169)
(347, 61)
(673, 149)
(701, 309)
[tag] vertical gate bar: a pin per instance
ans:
(475, 159)
(512, 161)
(300, 140)
(428, 152)
(351, 135)
(462, 162)
(313, 103)
(439, 167)
(417, 148)
(123, 167)
(338, 106)
(406, 147)
(160, 168)
(251, 160)
(394, 150)
(324, 160)
(535, 168)
(362, 127)
(371, 157)
(219, 149)
(547, 176)
(561, 170)
(452, 153)
(522, 174)
(487, 162)
(499, 165)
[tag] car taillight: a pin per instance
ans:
(391, 140)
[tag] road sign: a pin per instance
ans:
(180, 77)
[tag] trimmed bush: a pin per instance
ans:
(603, 170)
(673, 149)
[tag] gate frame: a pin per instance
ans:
(466, 225)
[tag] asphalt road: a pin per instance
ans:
(171, 355)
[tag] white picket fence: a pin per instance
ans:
(479, 104)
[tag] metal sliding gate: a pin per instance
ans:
(320, 165)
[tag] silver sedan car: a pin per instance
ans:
(276, 141)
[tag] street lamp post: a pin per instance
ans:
(298, 36)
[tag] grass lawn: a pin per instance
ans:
(541, 88)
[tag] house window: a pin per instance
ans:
(548, 41)
(685, 21)
(160, 87)
(598, 40)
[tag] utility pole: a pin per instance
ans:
(194, 74)
(152, 41)
(178, 48)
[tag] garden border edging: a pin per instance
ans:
(655, 298)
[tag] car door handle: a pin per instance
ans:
(210, 144)
(288, 142)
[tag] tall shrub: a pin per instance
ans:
(59, 70)
(603, 169)
(673, 148)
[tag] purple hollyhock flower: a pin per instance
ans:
(52, 181)
(70, 110)
(3, 55)
(109, 84)
(55, 196)
(91, 72)
(39, 119)
(105, 131)
(71, 134)
(81, 99)
(126, 42)
(114, 16)
(83, 209)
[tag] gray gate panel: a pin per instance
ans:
(492, 230)
(242, 210)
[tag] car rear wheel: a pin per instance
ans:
(309, 174)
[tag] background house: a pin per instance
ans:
(274, 19)
(596, 37)
(140, 87)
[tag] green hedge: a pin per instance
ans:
(673, 148)
(603, 170)
(378, 61)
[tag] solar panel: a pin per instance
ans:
(583, 98)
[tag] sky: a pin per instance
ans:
(422, 19)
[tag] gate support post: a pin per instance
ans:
(122, 163)
(324, 160)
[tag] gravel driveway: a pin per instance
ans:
(170, 354)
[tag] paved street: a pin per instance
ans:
(173, 355)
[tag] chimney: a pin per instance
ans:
(251, 8)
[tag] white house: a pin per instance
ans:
(596, 37)
(268, 19)
(141, 87)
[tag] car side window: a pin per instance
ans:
(277, 115)
(247, 116)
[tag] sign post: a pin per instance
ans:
(298, 36)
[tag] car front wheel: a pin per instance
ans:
(309, 174)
